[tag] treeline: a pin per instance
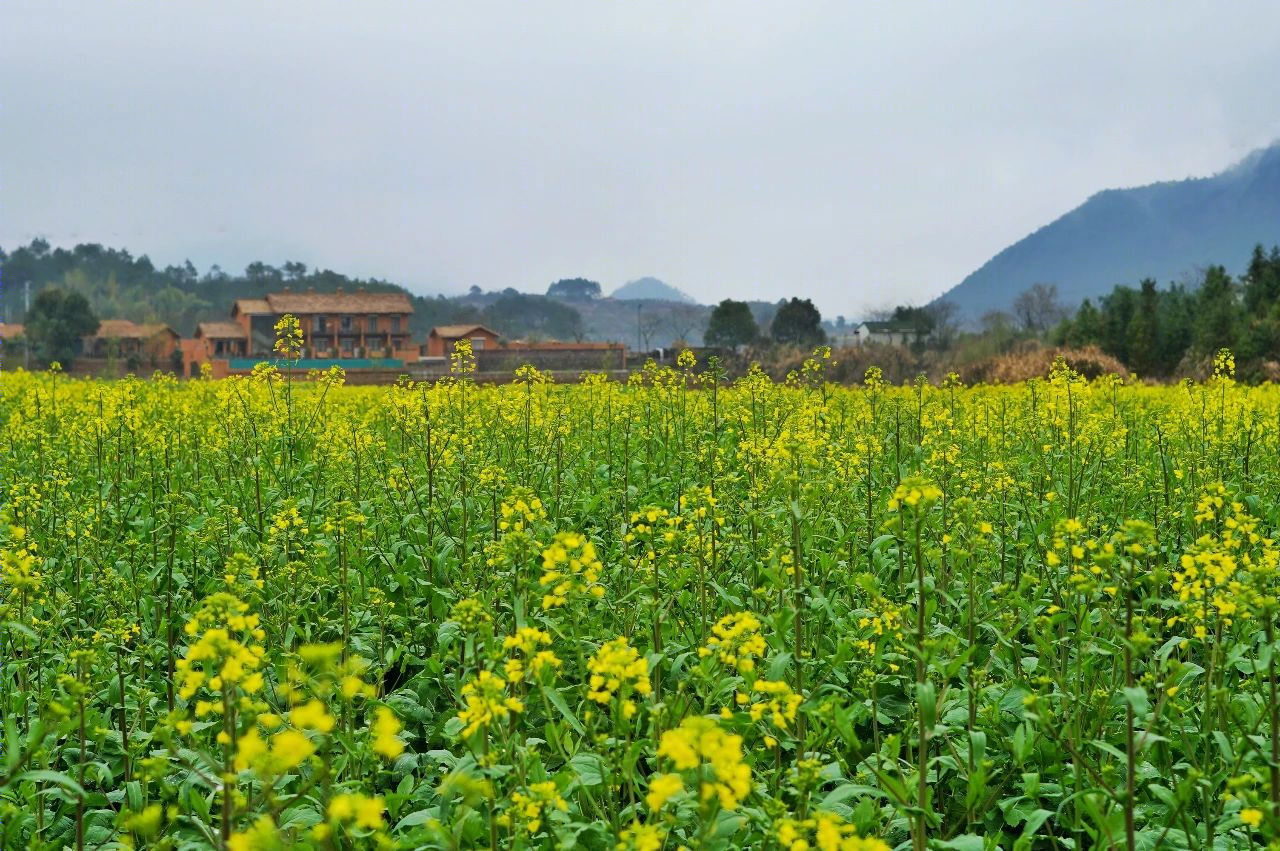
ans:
(119, 285)
(1165, 332)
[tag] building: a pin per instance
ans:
(887, 333)
(223, 339)
(150, 344)
(334, 325)
(442, 337)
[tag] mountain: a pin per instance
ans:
(650, 289)
(1120, 236)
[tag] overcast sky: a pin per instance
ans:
(863, 154)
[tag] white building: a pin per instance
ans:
(888, 333)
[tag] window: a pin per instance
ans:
(320, 323)
(395, 324)
(373, 324)
(346, 322)
(477, 343)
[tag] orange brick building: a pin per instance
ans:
(223, 339)
(336, 325)
(442, 337)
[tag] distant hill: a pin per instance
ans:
(1120, 236)
(650, 289)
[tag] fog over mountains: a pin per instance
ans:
(1120, 236)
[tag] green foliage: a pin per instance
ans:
(798, 322)
(118, 285)
(1143, 330)
(731, 324)
(1154, 330)
(57, 325)
(661, 613)
(574, 289)
(519, 315)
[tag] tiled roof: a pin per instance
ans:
(123, 329)
(456, 331)
(11, 329)
(339, 303)
(251, 306)
(220, 330)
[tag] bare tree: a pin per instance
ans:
(1037, 310)
(683, 320)
(648, 326)
(997, 326)
(946, 323)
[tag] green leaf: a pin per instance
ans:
(41, 775)
(416, 818)
(589, 768)
(1136, 697)
(557, 701)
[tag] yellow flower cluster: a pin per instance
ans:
(617, 670)
(520, 510)
(470, 614)
(700, 741)
(916, 493)
(18, 564)
(487, 702)
(824, 831)
(530, 808)
(570, 567)
(661, 789)
(261, 836)
(462, 360)
(288, 337)
(777, 701)
(527, 658)
(286, 750)
(220, 657)
(385, 731)
(354, 808)
(652, 522)
(640, 837)
(736, 642)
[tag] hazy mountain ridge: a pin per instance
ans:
(1120, 236)
(650, 289)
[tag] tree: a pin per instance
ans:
(1262, 281)
(1085, 329)
(520, 315)
(681, 320)
(798, 322)
(998, 328)
(574, 289)
(1037, 309)
(731, 324)
(946, 322)
(1142, 331)
(262, 273)
(57, 325)
(1217, 312)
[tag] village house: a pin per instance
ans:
(334, 325)
(223, 339)
(153, 344)
(887, 333)
(442, 338)
(496, 355)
